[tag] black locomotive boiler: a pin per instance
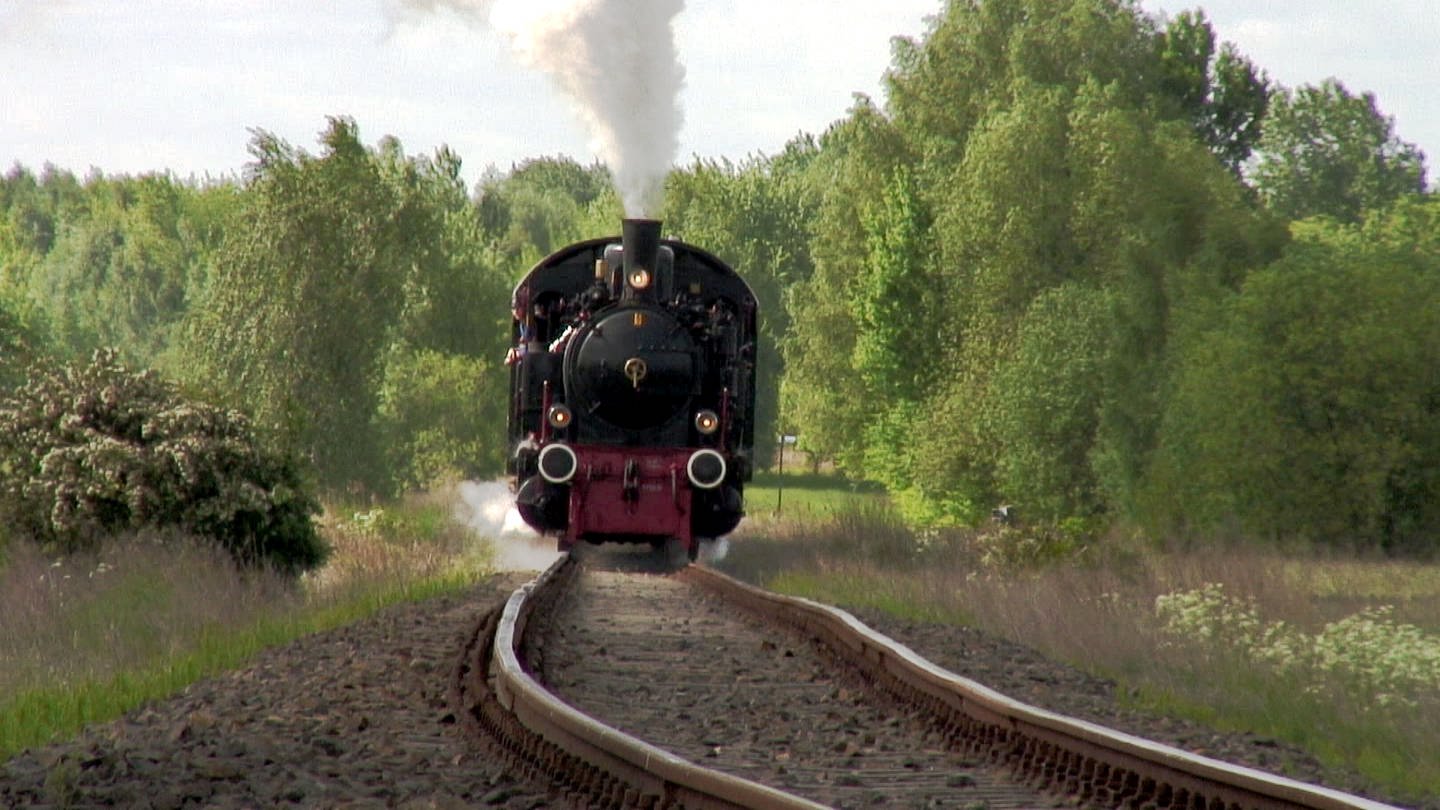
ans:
(632, 392)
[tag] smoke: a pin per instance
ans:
(616, 59)
(23, 18)
(488, 508)
(714, 551)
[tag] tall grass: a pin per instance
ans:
(86, 638)
(1100, 604)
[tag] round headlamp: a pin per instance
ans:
(639, 278)
(706, 422)
(559, 416)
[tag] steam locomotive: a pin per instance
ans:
(632, 392)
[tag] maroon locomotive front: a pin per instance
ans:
(632, 392)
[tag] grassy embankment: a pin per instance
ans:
(1338, 655)
(87, 638)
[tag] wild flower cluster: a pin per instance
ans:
(368, 523)
(1368, 654)
(1019, 547)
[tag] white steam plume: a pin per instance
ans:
(22, 18)
(617, 60)
(488, 509)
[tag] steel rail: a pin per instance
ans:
(654, 776)
(1102, 764)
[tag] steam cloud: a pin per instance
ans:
(488, 508)
(617, 60)
(23, 18)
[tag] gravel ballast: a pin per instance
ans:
(354, 717)
(357, 717)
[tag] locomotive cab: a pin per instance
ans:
(632, 392)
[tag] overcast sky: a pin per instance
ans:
(142, 85)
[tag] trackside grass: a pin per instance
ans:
(90, 637)
(1339, 656)
(770, 496)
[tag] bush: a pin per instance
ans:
(1016, 548)
(87, 451)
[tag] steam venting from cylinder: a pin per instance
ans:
(617, 60)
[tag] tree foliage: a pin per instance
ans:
(1224, 96)
(1049, 432)
(306, 290)
(88, 450)
(439, 417)
(1069, 264)
(823, 401)
(1311, 409)
(22, 343)
(1033, 227)
(120, 276)
(333, 260)
(543, 205)
(1328, 151)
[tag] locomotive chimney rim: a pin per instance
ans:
(641, 241)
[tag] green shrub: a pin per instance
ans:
(1026, 547)
(90, 450)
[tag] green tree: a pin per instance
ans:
(1072, 215)
(894, 303)
(33, 209)
(22, 343)
(306, 291)
(822, 398)
(1328, 151)
(893, 297)
(441, 407)
(540, 207)
(344, 276)
(119, 275)
(441, 416)
(1310, 411)
(455, 301)
(978, 55)
(1048, 398)
(1224, 97)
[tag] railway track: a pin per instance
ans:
(710, 693)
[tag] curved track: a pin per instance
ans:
(799, 696)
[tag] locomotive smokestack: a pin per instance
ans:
(641, 241)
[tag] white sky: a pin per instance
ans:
(143, 85)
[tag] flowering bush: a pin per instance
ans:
(1388, 659)
(87, 451)
(1367, 654)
